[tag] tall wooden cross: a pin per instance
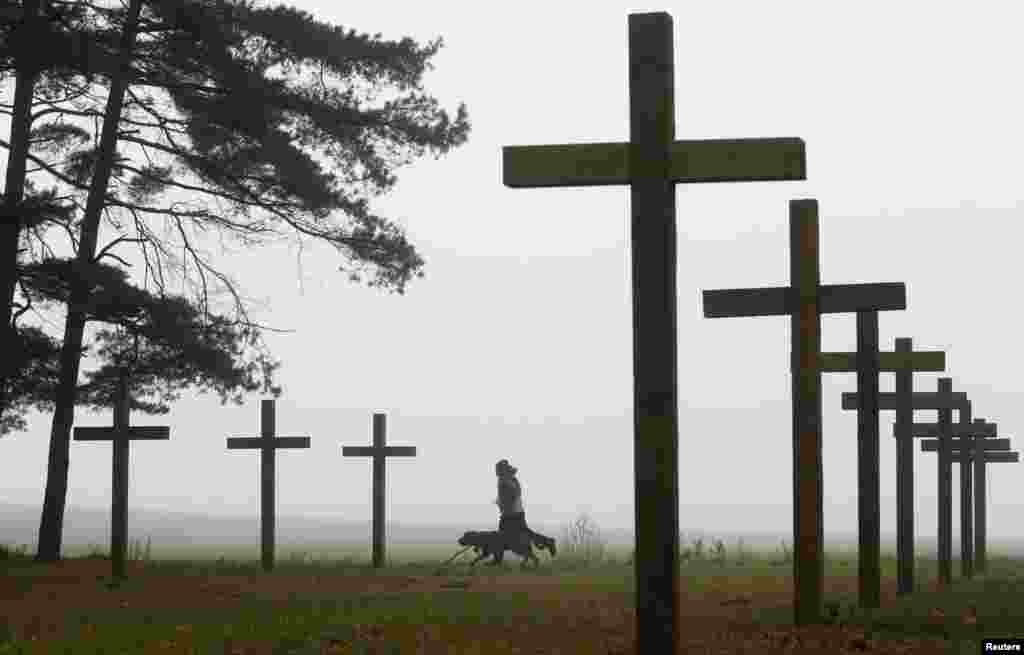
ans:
(945, 400)
(904, 475)
(980, 451)
(980, 509)
(122, 434)
(267, 443)
(867, 362)
(652, 163)
(378, 451)
(904, 401)
(986, 457)
(967, 447)
(805, 300)
(981, 521)
(946, 484)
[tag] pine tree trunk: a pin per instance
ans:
(52, 521)
(14, 191)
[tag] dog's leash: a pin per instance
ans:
(450, 559)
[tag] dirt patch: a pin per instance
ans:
(580, 620)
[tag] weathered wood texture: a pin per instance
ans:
(652, 163)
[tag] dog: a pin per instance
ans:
(494, 544)
(540, 541)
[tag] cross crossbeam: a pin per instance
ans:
(999, 457)
(652, 163)
(888, 362)
(782, 301)
(134, 433)
(918, 430)
(966, 444)
(121, 434)
(920, 400)
(607, 164)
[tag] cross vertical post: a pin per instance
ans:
(904, 476)
(945, 490)
(267, 443)
(119, 479)
(945, 447)
(805, 334)
(979, 510)
(378, 451)
(978, 461)
(869, 581)
(804, 301)
(979, 514)
(655, 416)
(268, 473)
(652, 163)
(121, 436)
(966, 515)
(379, 485)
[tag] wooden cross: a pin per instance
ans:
(267, 443)
(981, 452)
(945, 472)
(122, 434)
(867, 362)
(944, 400)
(378, 451)
(974, 559)
(805, 300)
(980, 512)
(966, 446)
(652, 163)
(904, 472)
(904, 407)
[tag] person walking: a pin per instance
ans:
(510, 503)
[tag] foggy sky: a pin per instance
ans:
(517, 342)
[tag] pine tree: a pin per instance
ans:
(45, 44)
(213, 61)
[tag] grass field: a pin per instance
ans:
(330, 601)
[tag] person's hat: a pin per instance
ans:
(504, 466)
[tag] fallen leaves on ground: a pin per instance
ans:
(577, 619)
